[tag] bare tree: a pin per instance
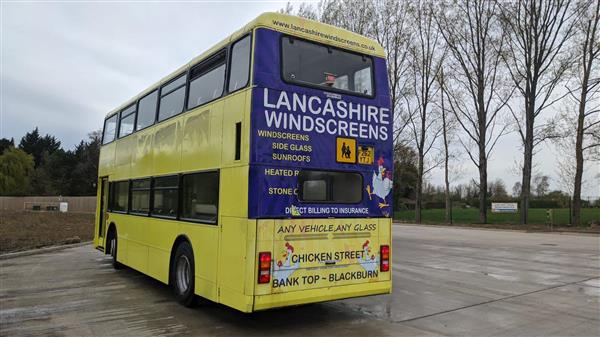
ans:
(355, 16)
(427, 55)
(516, 189)
(448, 203)
(541, 183)
(537, 31)
(391, 28)
(448, 133)
(587, 134)
(473, 33)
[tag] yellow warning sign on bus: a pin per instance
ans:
(366, 155)
(345, 150)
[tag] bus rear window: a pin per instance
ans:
(331, 187)
(312, 64)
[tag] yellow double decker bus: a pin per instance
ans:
(259, 174)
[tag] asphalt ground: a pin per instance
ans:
(447, 281)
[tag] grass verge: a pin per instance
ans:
(538, 220)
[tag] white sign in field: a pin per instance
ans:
(504, 207)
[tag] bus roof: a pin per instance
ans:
(289, 24)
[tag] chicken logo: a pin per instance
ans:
(283, 269)
(381, 185)
(368, 261)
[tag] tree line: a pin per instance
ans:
(38, 165)
(465, 73)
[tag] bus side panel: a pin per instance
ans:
(159, 236)
(235, 231)
(106, 162)
(234, 112)
(167, 147)
(123, 151)
(132, 229)
(251, 258)
(233, 263)
(233, 199)
(141, 158)
(201, 138)
(205, 243)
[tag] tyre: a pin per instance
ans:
(113, 244)
(182, 274)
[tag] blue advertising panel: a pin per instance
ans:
(296, 128)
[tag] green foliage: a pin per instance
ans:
(85, 170)
(56, 171)
(15, 167)
(37, 146)
(405, 173)
(6, 143)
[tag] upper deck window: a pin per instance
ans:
(147, 110)
(240, 64)
(312, 64)
(171, 98)
(207, 81)
(110, 129)
(127, 121)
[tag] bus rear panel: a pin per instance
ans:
(320, 174)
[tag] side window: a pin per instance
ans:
(147, 110)
(207, 81)
(240, 64)
(164, 193)
(140, 196)
(127, 121)
(110, 128)
(172, 96)
(200, 197)
(119, 196)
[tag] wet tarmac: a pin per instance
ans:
(447, 281)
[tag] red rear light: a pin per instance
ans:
(384, 258)
(264, 267)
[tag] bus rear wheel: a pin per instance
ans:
(182, 274)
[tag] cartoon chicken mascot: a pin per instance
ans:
(368, 262)
(283, 270)
(382, 184)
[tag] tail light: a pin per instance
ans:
(384, 258)
(264, 267)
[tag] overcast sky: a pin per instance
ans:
(65, 65)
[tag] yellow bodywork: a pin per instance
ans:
(203, 139)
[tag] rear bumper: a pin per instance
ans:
(262, 302)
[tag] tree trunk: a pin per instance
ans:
(448, 216)
(527, 166)
(482, 112)
(419, 192)
(482, 187)
(576, 219)
(576, 215)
